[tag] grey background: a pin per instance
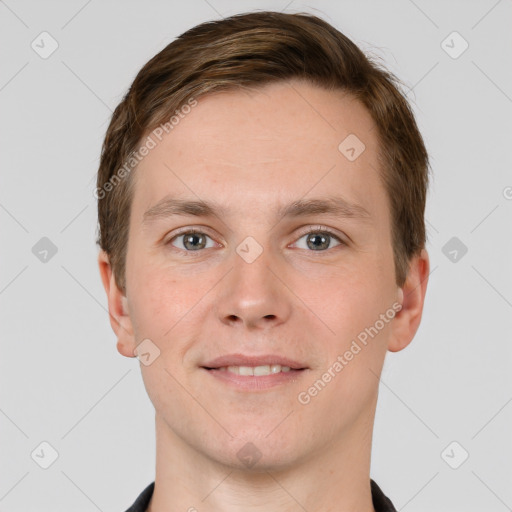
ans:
(62, 379)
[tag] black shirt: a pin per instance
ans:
(381, 503)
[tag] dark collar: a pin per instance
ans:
(381, 503)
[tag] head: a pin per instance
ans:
(284, 127)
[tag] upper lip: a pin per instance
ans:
(245, 360)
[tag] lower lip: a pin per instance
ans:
(256, 383)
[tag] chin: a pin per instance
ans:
(256, 452)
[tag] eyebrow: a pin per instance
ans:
(334, 206)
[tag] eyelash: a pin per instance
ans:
(310, 230)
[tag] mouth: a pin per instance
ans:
(257, 371)
(251, 373)
(241, 364)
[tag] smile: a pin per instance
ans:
(256, 370)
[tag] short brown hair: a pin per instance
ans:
(253, 49)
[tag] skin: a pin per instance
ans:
(252, 151)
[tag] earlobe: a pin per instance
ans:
(117, 307)
(412, 295)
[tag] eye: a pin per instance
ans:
(191, 240)
(319, 239)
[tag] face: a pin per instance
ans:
(258, 283)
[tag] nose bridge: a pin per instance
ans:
(252, 294)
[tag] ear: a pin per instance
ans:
(407, 320)
(118, 308)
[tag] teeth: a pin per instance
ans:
(245, 370)
(262, 370)
(256, 370)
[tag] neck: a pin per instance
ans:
(335, 478)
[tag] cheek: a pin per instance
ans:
(156, 302)
(348, 301)
(352, 308)
(164, 307)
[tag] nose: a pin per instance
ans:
(252, 295)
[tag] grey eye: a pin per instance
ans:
(319, 241)
(192, 241)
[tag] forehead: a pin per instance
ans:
(275, 144)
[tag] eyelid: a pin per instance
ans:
(186, 230)
(312, 228)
